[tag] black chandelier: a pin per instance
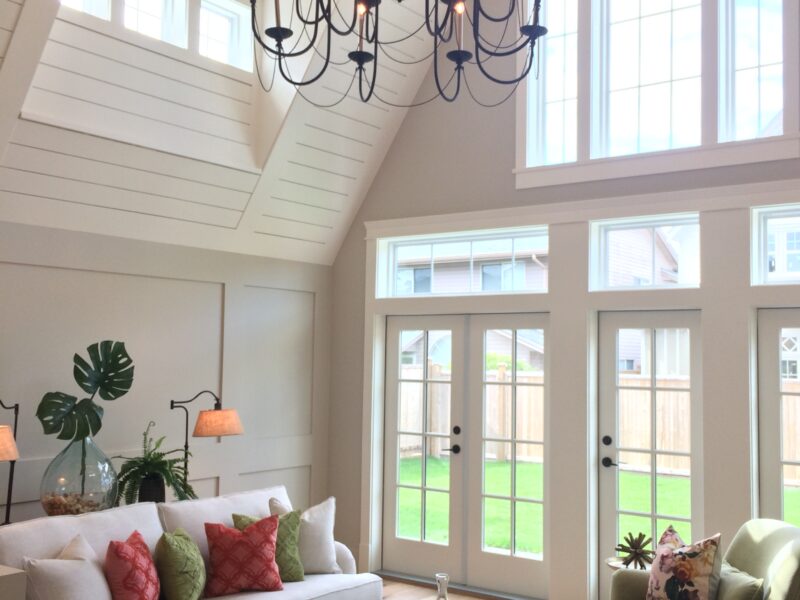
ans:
(320, 20)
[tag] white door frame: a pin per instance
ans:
(609, 324)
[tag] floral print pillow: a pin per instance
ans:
(682, 572)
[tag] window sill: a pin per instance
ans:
(669, 161)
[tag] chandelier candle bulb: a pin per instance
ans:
(459, 9)
(277, 13)
(362, 11)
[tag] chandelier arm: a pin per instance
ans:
(436, 75)
(496, 104)
(347, 30)
(513, 81)
(321, 55)
(479, 11)
(287, 75)
(403, 39)
(370, 39)
(437, 29)
(416, 104)
(319, 15)
(279, 52)
(339, 101)
(254, 27)
(500, 44)
(258, 71)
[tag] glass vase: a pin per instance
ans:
(80, 479)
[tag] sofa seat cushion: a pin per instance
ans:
(327, 587)
(45, 537)
(192, 515)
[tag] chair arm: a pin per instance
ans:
(345, 559)
(12, 583)
(629, 584)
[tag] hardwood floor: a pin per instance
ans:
(397, 590)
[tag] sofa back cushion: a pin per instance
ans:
(770, 550)
(192, 515)
(46, 537)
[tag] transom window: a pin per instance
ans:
(776, 244)
(225, 32)
(97, 8)
(646, 252)
(160, 19)
(501, 261)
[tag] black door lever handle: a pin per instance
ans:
(455, 449)
(607, 462)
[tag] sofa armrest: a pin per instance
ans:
(345, 559)
(629, 584)
(12, 583)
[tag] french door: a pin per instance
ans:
(465, 454)
(779, 413)
(649, 428)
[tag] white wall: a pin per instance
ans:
(254, 330)
(466, 165)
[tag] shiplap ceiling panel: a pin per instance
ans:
(119, 137)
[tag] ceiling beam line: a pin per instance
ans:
(22, 58)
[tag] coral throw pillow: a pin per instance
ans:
(130, 571)
(241, 561)
(682, 572)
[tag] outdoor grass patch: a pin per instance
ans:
(673, 498)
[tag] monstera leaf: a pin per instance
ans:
(72, 420)
(111, 371)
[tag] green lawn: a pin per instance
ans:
(673, 498)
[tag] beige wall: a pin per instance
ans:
(451, 158)
(254, 330)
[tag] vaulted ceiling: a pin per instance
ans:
(104, 131)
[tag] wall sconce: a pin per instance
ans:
(217, 422)
(9, 453)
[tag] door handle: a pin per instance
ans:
(607, 462)
(455, 449)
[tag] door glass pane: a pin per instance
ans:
(529, 526)
(498, 345)
(437, 463)
(409, 470)
(412, 344)
(673, 421)
(409, 513)
(437, 517)
(674, 486)
(633, 358)
(497, 525)
(635, 524)
(790, 412)
(791, 494)
(790, 355)
(530, 356)
(635, 482)
(497, 413)
(634, 414)
(440, 350)
(497, 468)
(529, 471)
(530, 413)
(410, 410)
(672, 358)
(684, 528)
(438, 408)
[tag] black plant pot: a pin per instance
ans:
(152, 489)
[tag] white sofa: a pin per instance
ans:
(46, 537)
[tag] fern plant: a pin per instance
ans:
(153, 463)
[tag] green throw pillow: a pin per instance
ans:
(180, 566)
(738, 585)
(287, 553)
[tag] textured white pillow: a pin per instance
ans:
(316, 544)
(75, 575)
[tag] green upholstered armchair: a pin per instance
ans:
(764, 548)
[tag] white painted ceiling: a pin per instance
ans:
(105, 131)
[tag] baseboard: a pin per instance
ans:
(467, 590)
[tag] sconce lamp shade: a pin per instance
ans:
(8, 447)
(218, 422)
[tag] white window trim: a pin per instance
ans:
(709, 154)
(115, 28)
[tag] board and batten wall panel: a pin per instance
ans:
(124, 86)
(253, 330)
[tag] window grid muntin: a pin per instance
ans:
(653, 451)
(513, 441)
(423, 488)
